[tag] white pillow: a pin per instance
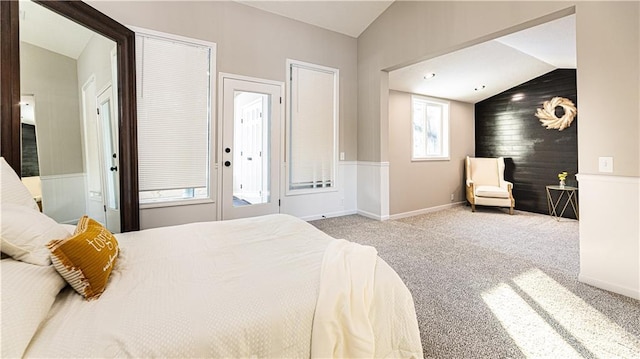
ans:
(12, 188)
(28, 292)
(25, 233)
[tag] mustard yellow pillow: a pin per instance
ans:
(85, 260)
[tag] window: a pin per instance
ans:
(174, 93)
(429, 129)
(312, 128)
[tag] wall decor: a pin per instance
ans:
(547, 114)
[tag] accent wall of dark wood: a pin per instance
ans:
(30, 165)
(534, 155)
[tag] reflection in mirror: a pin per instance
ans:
(65, 66)
(109, 157)
(29, 151)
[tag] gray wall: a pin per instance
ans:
(414, 186)
(95, 59)
(52, 78)
(608, 82)
(250, 42)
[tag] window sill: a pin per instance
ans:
(174, 203)
(431, 159)
(297, 192)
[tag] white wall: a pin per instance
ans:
(61, 198)
(609, 233)
(254, 43)
(327, 204)
(373, 189)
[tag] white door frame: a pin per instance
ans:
(220, 147)
(112, 215)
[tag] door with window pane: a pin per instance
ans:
(250, 159)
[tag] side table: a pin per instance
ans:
(570, 198)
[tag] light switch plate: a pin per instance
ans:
(341, 156)
(605, 164)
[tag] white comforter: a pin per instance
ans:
(270, 286)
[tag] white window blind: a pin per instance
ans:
(174, 113)
(313, 127)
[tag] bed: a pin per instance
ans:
(271, 286)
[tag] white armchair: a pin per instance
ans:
(486, 185)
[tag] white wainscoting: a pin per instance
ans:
(63, 197)
(314, 206)
(373, 190)
(610, 233)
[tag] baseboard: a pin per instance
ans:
(629, 292)
(328, 215)
(372, 215)
(425, 210)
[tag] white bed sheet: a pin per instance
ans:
(242, 288)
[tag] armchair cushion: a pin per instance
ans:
(491, 191)
(485, 172)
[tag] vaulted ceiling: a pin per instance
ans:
(478, 72)
(469, 75)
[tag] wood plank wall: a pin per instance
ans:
(534, 155)
(30, 165)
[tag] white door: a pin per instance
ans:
(250, 160)
(107, 132)
(92, 162)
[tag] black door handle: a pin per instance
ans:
(114, 168)
(227, 163)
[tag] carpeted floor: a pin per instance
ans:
(491, 285)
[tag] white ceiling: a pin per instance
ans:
(44, 28)
(498, 65)
(347, 17)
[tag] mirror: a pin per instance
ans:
(100, 146)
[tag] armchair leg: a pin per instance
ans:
(511, 210)
(473, 207)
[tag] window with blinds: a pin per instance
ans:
(312, 127)
(174, 94)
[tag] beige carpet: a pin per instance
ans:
(491, 285)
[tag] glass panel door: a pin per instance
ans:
(250, 156)
(252, 151)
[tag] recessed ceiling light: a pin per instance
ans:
(479, 88)
(430, 75)
(517, 97)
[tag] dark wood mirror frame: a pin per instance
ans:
(91, 18)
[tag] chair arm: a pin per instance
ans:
(509, 185)
(469, 182)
